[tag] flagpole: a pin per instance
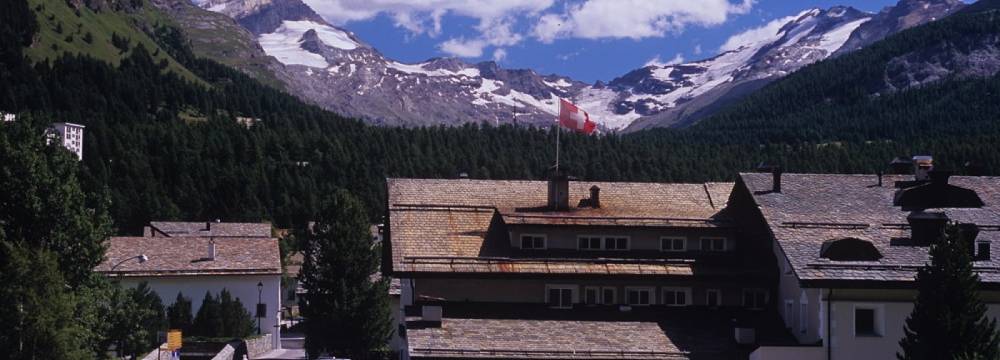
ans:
(558, 130)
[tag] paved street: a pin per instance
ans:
(291, 348)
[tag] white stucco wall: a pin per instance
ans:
(240, 286)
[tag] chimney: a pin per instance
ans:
(879, 174)
(922, 166)
(558, 192)
(211, 249)
(926, 227)
(431, 315)
(208, 226)
(939, 177)
(776, 179)
(595, 196)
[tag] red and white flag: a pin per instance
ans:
(575, 118)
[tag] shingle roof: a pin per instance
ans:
(216, 229)
(186, 256)
(519, 331)
(451, 218)
(813, 208)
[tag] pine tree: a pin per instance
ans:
(949, 317)
(36, 309)
(346, 312)
(236, 320)
(208, 321)
(179, 314)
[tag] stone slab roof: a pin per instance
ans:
(188, 256)
(433, 219)
(494, 331)
(813, 208)
(210, 229)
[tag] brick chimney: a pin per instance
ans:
(595, 196)
(926, 227)
(211, 249)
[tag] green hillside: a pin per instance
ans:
(65, 29)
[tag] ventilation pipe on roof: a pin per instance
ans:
(879, 174)
(776, 179)
(208, 226)
(926, 227)
(211, 249)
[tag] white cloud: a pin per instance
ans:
(496, 19)
(499, 54)
(634, 19)
(655, 61)
(756, 35)
(463, 48)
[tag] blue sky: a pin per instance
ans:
(588, 40)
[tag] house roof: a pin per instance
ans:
(188, 256)
(216, 229)
(517, 331)
(449, 220)
(814, 208)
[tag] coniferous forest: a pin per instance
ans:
(162, 146)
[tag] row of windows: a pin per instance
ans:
(618, 243)
(565, 296)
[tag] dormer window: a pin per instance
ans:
(533, 241)
(849, 249)
(588, 242)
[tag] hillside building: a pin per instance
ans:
(69, 135)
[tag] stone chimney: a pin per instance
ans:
(211, 249)
(922, 166)
(558, 192)
(595, 196)
(926, 227)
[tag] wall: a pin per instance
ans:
(241, 287)
(259, 345)
(788, 353)
(895, 306)
(533, 290)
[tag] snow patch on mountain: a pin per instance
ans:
(834, 40)
(420, 69)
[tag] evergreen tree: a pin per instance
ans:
(179, 314)
(236, 320)
(208, 322)
(346, 312)
(36, 309)
(949, 317)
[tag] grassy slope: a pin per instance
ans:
(50, 44)
(217, 37)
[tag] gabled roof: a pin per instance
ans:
(814, 208)
(210, 229)
(449, 220)
(188, 256)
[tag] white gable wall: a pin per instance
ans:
(243, 287)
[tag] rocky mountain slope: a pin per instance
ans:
(333, 68)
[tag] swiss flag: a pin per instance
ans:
(574, 118)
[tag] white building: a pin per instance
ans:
(849, 246)
(249, 268)
(71, 136)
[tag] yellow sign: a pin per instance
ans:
(174, 341)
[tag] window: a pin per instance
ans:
(590, 295)
(713, 297)
(609, 296)
(559, 296)
(677, 296)
(754, 298)
(803, 317)
(867, 320)
(713, 244)
(639, 296)
(789, 308)
(673, 244)
(589, 242)
(616, 243)
(532, 241)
